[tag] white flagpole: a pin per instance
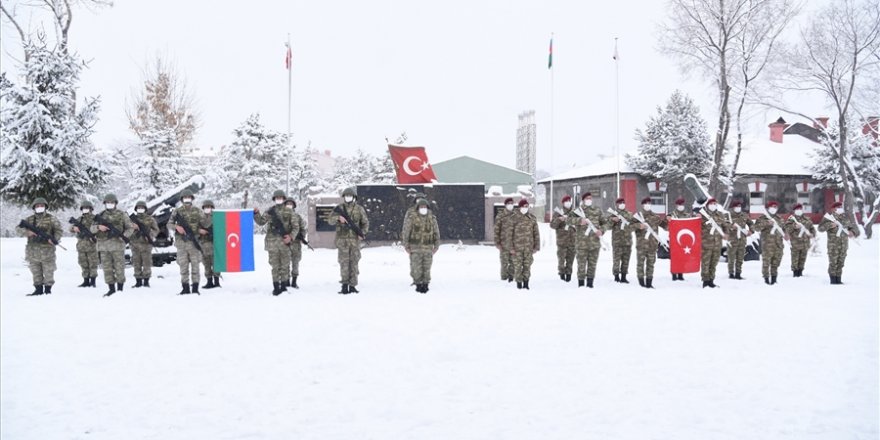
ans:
(289, 101)
(617, 106)
(550, 202)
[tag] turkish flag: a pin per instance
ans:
(684, 245)
(411, 164)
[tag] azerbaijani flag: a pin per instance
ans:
(233, 240)
(550, 58)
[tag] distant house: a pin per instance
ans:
(466, 169)
(772, 168)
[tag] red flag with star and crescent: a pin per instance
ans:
(411, 164)
(684, 245)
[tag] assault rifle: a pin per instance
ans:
(711, 222)
(349, 222)
(143, 231)
(277, 226)
(40, 233)
(188, 234)
(302, 239)
(638, 216)
(113, 231)
(623, 221)
(776, 228)
(84, 232)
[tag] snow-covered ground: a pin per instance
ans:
(473, 359)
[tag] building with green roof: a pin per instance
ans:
(466, 169)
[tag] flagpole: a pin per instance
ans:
(289, 101)
(550, 202)
(617, 111)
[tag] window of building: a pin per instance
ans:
(658, 201)
(804, 198)
(756, 202)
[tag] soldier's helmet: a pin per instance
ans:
(422, 202)
(186, 193)
(208, 203)
(39, 201)
(290, 200)
(111, 198)
(86, 204)
(140, 204)
(350, 191)
(277, 194)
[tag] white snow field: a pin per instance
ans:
(472, 359)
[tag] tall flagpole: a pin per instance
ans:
(617, 106)
(289, 65)
(550, 202)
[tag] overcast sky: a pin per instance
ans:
(453, 74)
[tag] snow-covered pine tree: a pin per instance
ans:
(674, 142)
(383, 169)
(303, 173)
(862, 157)
(46, 150)
(253, 163)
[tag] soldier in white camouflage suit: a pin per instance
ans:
(40, 251)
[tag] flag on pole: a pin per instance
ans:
(411, 164)
(233, 240)
(615, 50)
(550, 58)
(288, 57)
(685, 245)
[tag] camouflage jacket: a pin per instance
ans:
(770, 236)
(503, 228)
(713, 238)
(120, 221)
(834, 237)
(357, 213)
(645, 240)
(680, 214)
(524, 233)
(207, 239)
(564, 232)
(621, 233)
(421, 230)
(584, 237)
(149, 222)
(285, 216)
(303, 229)
(194, 218)
(83, 243)
(45, 222)
(742, 220)
(799, 238)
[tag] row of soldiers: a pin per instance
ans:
(579, 231)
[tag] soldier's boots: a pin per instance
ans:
(292, 282)
(147, 282)
(568, 278)
(836, 280)
(422, 288)
(119, 287)
(580, 282)
(590, 283)
(616, 278)
(709, 283)
(519, 284)
(510, 279)
(184, 289)
(562, 276)
(641, 281)
(731, 276)
(216, 280)
(649, 283)
(138, 283)
(623, 278)
(93, 281)
(38, 290)
(276, 288)
(526, 284)
(351, 289)
(738, 276)
(681, 277)
(111, 289)
(344, 290)
(285, 284)
(195, 289)
(773, 279)
(210, 283)
(87, 282)
(47, 290)
(767, 280)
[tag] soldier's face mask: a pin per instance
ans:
(838, 211)
(289, 205)
(713, 207)
(567, 205)
(348, 199)
(207, 210)
(423, 211)
(588, 202)
(110, 205)
(798, 212)
(509, 206)
(279, 201)
(621, 206)
(737, 209)
(187, 201)
(140, 210)
(679, 207)
(524, 210)
(86, 210)
(646, 207)
(772, 210)
(40, 209)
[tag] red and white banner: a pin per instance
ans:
(411, 164)
(684, 245)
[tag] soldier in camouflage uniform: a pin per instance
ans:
(526, 241)
(87, 253)
(188, 256)
(801, 231)
(588, 239)
(503, 223)
(772, 236)
(680, 212)
(206, 239)
(141, 249)
(713, 235)
(739, 231)
(421, 239)
(40, 253)
(297, 245)
(279, 235)
(347, 240)
(621, 240)
(838, 240)
(646, 243)
(110, 246)
(564, 240)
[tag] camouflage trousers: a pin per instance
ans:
(295, 257)
(709, 261)
(586, 261)
(646, 256)
(41, 262)
(142, 261)
(349, 255)
(736, 254)
(620, 254)
(113, 263)
(279, 260)
(799, 257)
(208, 258)
(565, 259)
(522, 265)
(88, 262)
(506, 264)
(771, 257)
(188, 258)
(836, 258)
(421, 258)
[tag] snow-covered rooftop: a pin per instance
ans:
(764, 157)
(603, 167)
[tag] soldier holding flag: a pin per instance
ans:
(679, 213)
